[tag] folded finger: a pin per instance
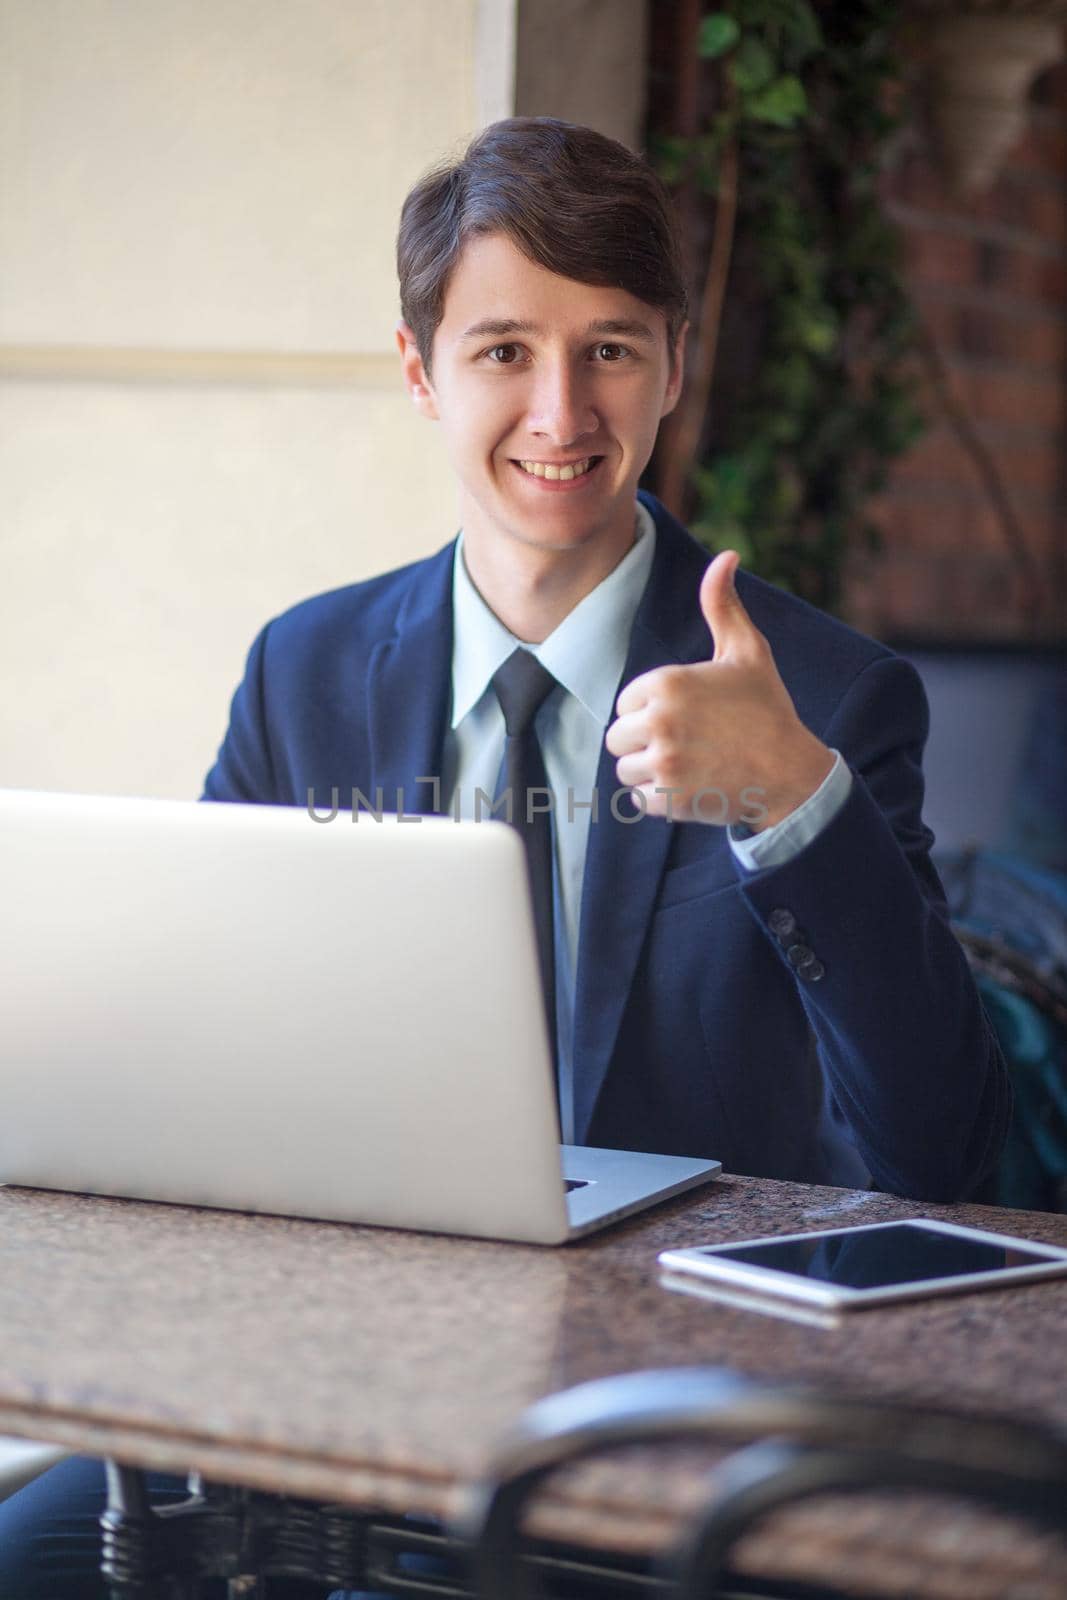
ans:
(626, 735)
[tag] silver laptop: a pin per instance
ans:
(240, 1006)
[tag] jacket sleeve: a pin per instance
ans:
(244, 770)
(907, 1051)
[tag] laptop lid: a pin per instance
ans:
(240, 1006)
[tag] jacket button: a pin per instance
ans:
(782, 923)
(811, 971)
(798, 955)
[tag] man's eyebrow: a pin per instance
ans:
(503, 328)
(496, 328)
(623, 330)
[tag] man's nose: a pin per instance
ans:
(561, 408)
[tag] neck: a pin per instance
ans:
(532, 590)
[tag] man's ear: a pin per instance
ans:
(416, 381)
(677, 374)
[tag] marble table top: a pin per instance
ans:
(378, 1368)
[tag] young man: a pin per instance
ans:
(760, 968)
(750, 958)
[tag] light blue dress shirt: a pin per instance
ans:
(586, 653)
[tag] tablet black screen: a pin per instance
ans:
(880, 1257)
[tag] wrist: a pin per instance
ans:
(806, 774)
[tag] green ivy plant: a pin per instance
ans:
(792, 449)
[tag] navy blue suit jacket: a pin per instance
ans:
(694, 1033)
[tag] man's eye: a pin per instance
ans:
(498, 347)
(620, 350)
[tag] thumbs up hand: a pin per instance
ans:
(718, 741)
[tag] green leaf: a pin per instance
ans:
(792, 23)
(781, 103)
(668, 155)
(753, 66)
(818, 333)
(717, 34)
(805, 35)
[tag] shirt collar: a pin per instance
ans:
(586, 652)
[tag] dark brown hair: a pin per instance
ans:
(569, 198)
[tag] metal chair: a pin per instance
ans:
(793, 1443)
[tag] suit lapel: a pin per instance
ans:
(626, 853)
(409, 690)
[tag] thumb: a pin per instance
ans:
(724, 614)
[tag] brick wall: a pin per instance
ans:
(989, 279)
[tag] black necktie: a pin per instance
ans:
(522, 685)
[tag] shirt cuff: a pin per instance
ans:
(786, 839)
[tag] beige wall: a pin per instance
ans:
(201, 415)
(222, 177)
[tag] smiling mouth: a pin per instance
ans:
(559, 472)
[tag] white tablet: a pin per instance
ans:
(840, 1269)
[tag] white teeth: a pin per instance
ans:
(538, 469)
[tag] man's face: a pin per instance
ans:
(587, 378)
